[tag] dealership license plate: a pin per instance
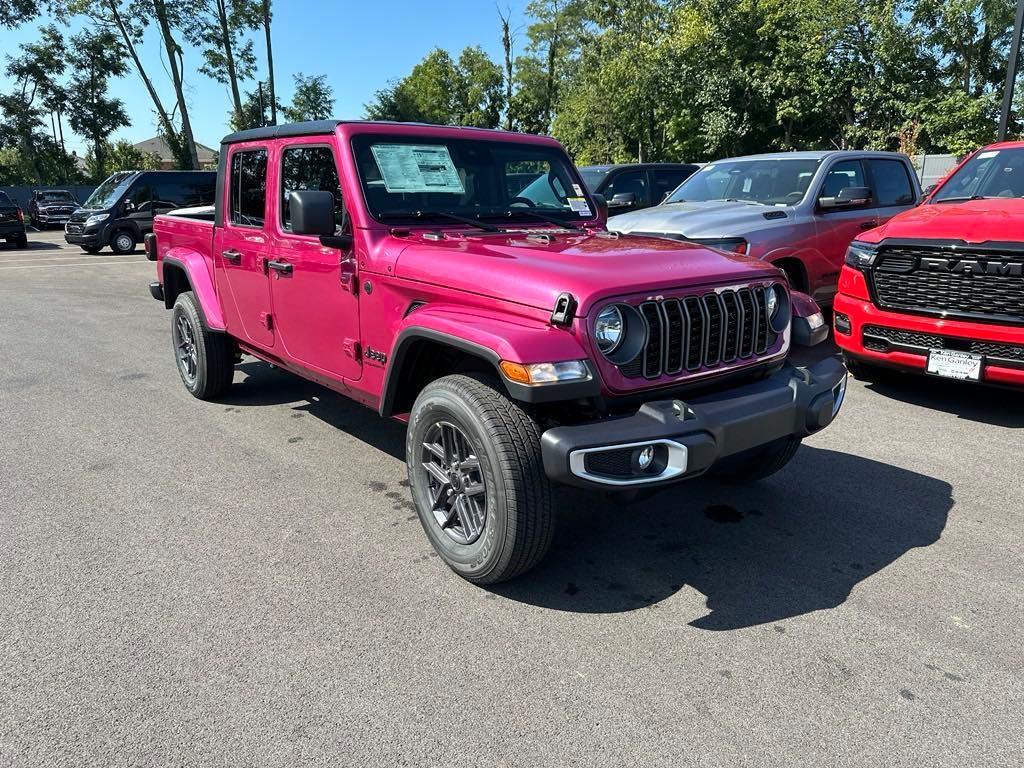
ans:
(954, 365)
(74, 229)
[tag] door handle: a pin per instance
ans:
(281, 267)
(868, 224)
(232, 255)
(347, 275)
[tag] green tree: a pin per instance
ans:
(228, 57)
(119, 156)
(95, 56)
(313, 99)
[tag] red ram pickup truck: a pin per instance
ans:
(523, 343)
(940, 288)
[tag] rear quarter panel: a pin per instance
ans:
(188, 243)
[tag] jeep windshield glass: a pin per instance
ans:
(56, 196)
(990, 173)
(782, 181)
(469, 178)
(107, 193)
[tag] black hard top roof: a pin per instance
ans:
(327, 127)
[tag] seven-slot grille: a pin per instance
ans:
(968, 283)
(695, 332)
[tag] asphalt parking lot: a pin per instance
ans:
(245, 582)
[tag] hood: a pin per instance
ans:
(716, 218)
(972, 221)
(81, 214)
(533, 269)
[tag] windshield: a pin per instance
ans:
(439, 179)
(56, 196)
(991, 173)
(768, 182)
(4, 199)
(593, 176)
(107, 193)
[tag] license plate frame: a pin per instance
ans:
(954, 364)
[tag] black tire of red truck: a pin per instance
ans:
(477, 478)
(205, 359)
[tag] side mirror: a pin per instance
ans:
(129, 206)
(622, 200)
(312, 212)
(848, 197)
(928, 190)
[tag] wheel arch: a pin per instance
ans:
(186, 271)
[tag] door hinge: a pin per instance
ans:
(353, 349)
(268, 320)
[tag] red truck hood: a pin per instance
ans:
(973, 221)
(534, 269)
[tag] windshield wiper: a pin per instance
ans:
(964, 198)
(536, 215)
(437, 215)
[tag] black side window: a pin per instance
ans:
(310, 168)
(847, 173)
(666, 182)
(248, 187)
(630, 182)
(891, 183)
(141, 196)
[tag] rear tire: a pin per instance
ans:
(21, 241)
(205, 360)
(477, 479)
(122, 242)
(758, 463)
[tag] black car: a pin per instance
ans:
(51, 206)
(12, 222)
(630, 187)
(120, 212)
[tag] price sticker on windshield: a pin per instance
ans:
(579, 205)
(417, 168)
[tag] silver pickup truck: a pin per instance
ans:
(797, 210)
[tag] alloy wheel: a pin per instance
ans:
(456, 488)
(185, 346)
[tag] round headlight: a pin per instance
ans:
(777, 304)
(608, 329)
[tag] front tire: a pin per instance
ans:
(205, 359)
(758, 463)
(122, 242)
(477, 479)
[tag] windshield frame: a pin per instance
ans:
(124, 182)
(710, 167)
(362, 141)
(986, 177)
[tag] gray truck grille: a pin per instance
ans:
(696, 332)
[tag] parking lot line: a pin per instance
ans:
(80, 264)
(64, 258)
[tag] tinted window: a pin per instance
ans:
(141, 195)
(666, 181)
(629, 182)
(891, 182)
(4, 199)
(249, 187)
(848, 173)
(310, 168)
(182, 191)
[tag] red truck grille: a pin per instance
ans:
(698, 332)
(882, 339)
(951, 282)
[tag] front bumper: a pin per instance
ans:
(1001, 345)
(82, 237)
(686, 438)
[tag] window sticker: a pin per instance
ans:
(987, 155)
(417, 168)
(577, 190)
(579, 205)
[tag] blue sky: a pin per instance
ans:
(360, 46)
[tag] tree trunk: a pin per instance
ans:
(506, 43)
(165, 120)
(229, 58)
(173, 51)
(270, 63)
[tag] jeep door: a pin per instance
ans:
(241, 246)
(314, 288)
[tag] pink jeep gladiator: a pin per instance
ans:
(424, 272)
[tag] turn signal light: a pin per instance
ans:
(545, 373)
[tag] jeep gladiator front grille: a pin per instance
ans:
(688, 334)
(978, 284)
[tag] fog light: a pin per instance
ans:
(843, 324)
(646, 457)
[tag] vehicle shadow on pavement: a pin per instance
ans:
(974, 402)
(796, 543)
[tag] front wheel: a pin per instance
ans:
(757, 463)
(206, 360)
(122, 242)
(477, 479)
